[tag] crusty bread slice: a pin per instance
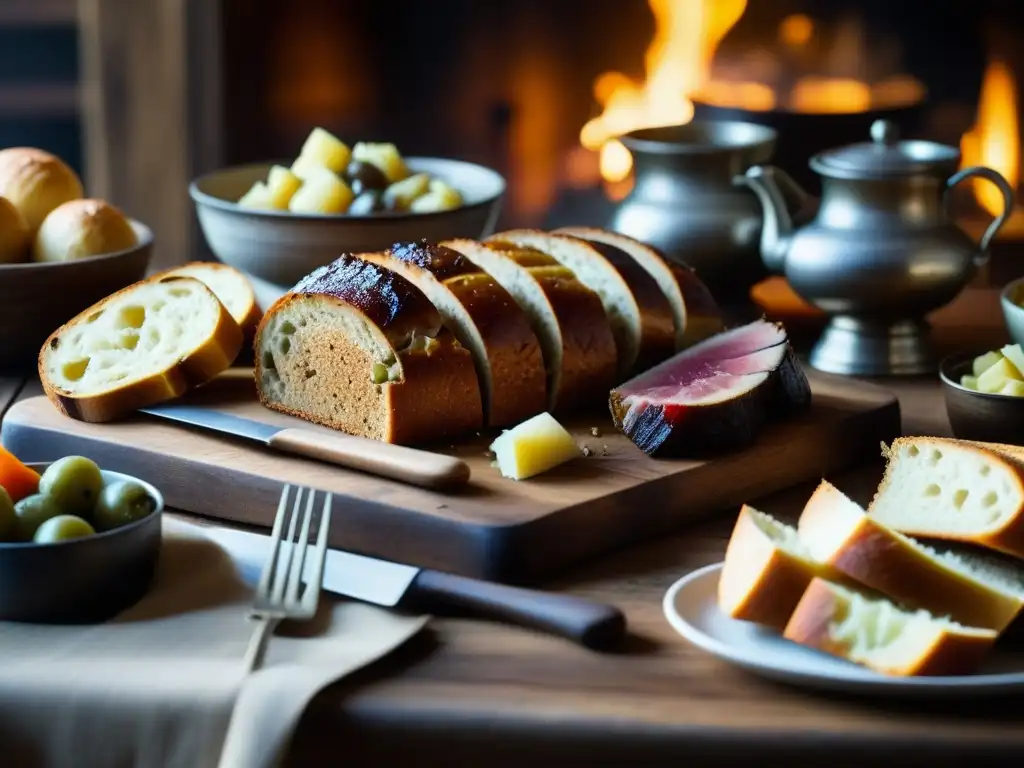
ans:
(954, 489)
(356, 347)
(640, 315)
(836, 530)
(486, 320)
(567, 317)
(696, 315)
(229, 285)
(146, 343)
(766, 570)
(875, 633)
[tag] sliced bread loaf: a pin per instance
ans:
(766, 570)
(228, 284)
(146, 343)
(486, 320)
(356, 347)
(568, 318)
(837, 531)
(696, 315)
(877, 634)
(954, 489)
(640, 315)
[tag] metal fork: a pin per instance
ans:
(278, 594)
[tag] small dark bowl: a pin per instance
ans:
(81, 581)
(978, 415)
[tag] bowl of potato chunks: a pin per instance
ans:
(984, 393)
(278, 221)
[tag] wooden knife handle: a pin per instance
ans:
(409, 465)
(594, 625)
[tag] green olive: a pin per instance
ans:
(62, 528)
(121, 503)
(8, 520)
(32, 512)
(74, 483)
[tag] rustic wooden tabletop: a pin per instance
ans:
(473, 693)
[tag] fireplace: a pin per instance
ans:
(539, 90)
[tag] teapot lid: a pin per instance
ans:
(885, 156)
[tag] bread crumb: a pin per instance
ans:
(586, 451)
(604, 449)
(595, 431)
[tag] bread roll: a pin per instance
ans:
(36, 182)
(80, 229)
(15, 240)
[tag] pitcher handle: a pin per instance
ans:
(1004, 188)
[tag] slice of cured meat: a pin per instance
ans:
(714, 396)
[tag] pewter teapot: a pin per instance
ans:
(880, 253)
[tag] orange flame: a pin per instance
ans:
(994, 140)
(677, 64)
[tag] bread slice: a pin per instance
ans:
(486, 320)
(766, 570)
(146, 343)
(954, 489)
(695, 314)
(640, 315)
(878, 634)
(568, 318)
(230, 285)
(837, 531)
(356, 347)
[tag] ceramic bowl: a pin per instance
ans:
(84, 580)
(1013, 312)
(979, 415)
(36, 299)
(281, 247)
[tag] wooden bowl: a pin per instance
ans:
(83, 580)
(36, 299)
(979, 415)
(281, 247)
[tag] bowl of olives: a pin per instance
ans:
(78, 544)
(278, 221)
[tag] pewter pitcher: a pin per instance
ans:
(882, 250)
(684, 201)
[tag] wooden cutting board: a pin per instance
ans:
(495, 528)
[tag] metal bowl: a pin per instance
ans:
(975, 415)
(86, 580)
(37, 298)
(281, 247)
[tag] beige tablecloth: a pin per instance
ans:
(163, 684)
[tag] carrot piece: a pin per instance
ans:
(18, 480)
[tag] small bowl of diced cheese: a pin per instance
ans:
(278, 221)
(984, 394)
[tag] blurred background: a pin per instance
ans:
(142, 95)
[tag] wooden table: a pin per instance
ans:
(477, 694)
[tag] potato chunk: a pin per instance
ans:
(983, 362)
(439, 197)
(995, 377)
(322, 192)
(384, 156)
(400, 195)
(326, 150)
(258, 197)
(282, 184)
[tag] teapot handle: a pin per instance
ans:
(1004, 188)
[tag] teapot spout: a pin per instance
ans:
(767, 182)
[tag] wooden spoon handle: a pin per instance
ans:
(408, 465)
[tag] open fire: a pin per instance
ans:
(994, 140)
(805, 69)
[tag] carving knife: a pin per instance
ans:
(381, 582)
(408, 465)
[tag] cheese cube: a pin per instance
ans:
(282, 184)
(537, 445)
(1015, 355)
(259, 197)
(1013, 388)
(996, 376)
(969, 382)
(983, 362)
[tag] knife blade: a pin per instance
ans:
(408, 465)
(388, 584)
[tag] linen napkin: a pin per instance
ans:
(163, 686)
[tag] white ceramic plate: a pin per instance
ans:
(691, 608)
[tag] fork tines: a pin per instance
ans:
(280, 591)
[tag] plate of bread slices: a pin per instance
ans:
(916, 594)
